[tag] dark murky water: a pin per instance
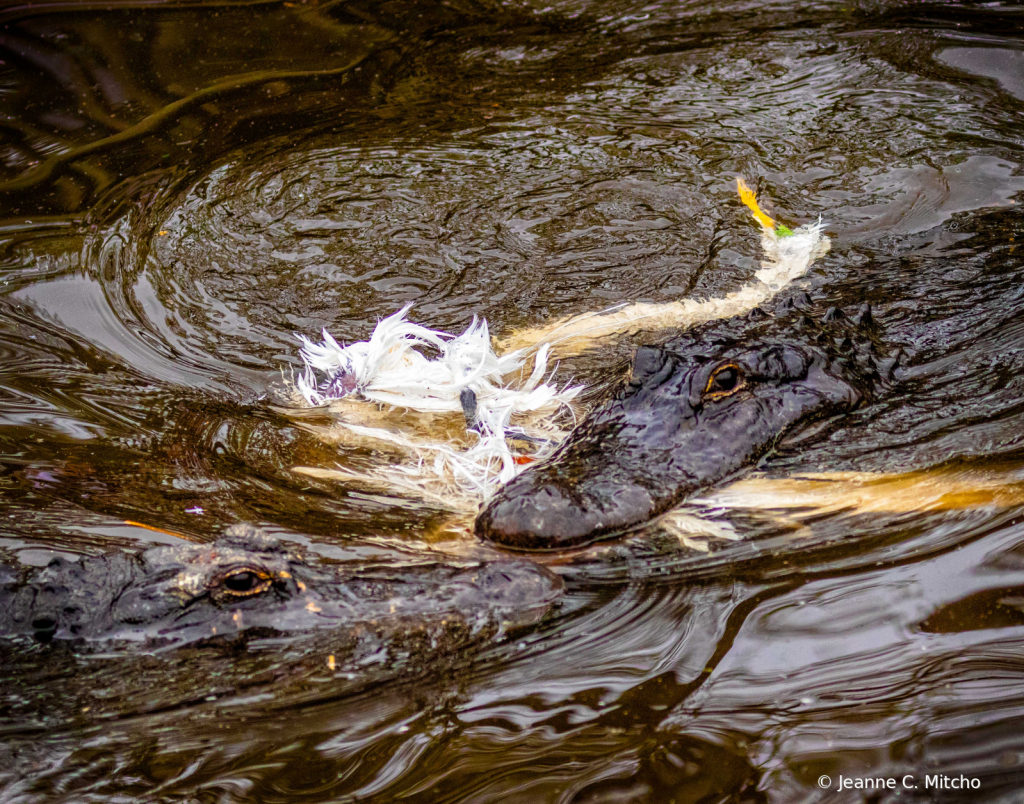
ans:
(185, 186)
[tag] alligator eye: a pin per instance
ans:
(245, 582)
(725, 381)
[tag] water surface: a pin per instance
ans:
(184, 186)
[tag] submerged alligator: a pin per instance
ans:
(249, 580)
(693, 411)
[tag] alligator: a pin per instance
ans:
(248, 580)
(693, 411)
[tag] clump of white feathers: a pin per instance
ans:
(391, 371)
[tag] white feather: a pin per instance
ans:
(390, 370)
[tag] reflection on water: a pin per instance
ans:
(185, 186)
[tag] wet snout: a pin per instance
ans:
(540, 511)
(613, 473)
(520, 591)
(675, 428)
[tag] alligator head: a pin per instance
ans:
(692, 412)
(248, 580)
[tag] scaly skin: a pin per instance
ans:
(248, 580)
(694, 411)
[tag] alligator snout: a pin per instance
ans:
(693, 412)
(545, 510)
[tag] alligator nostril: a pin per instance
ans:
(44, 628)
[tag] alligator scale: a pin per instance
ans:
(693, 411)
(249, 580)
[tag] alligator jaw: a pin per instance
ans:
(666, 434)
